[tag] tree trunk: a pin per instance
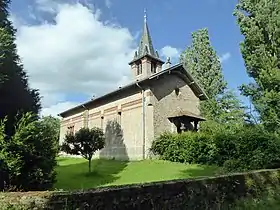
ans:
(89, 165)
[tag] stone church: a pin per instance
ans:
(132, 116)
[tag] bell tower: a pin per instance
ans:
(146, 60)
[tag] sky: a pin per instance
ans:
(74, 50)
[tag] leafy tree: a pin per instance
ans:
(29, 156)
(259, 22)
(202, 62)
(85, 142)
(16, 96)
(54, 124)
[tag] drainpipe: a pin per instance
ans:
(143, 120)
(86, 115)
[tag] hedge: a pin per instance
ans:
(208, 193)
(244, 149)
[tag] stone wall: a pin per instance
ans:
(220, 192)
(166, 101)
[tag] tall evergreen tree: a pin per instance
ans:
(16, 97)
(203, 63)
(201, 60)
(5, 43)
(259, 22)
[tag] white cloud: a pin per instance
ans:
(58, 108)
(171, 52)
(224, 57)
(76, 53)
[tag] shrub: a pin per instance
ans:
(85, 142)
(246, 148)
(187, 147)
(29, 156)
(254, 149)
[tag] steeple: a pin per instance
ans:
(146, 45)
(146, 60)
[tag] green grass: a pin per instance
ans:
(72, 173)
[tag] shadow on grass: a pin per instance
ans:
(200, 171)
(76, 176)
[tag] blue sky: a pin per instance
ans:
(170, 22)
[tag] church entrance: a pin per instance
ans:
(185, 121)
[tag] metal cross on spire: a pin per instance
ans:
(145, 15)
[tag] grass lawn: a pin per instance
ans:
(72, 173)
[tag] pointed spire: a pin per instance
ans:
(146, 45)
(145, 16)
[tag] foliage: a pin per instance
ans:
(260, 24)
(242, 148)
(29, 156)
(221, 192)
(5, 44)
(202, 62)
(54, 124)
(184, 148)
(16, 96)
(85, 142)
(267, 200)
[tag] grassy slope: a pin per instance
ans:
(73, 172)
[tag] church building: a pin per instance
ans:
(158, 100)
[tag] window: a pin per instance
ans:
(102, 122)
(139, 68)
(177, 91)
(71, 129)
(153, 67)
(119, 118)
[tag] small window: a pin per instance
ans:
(139, 68)
(102, 122)
(71, 129)
(119, 118)
(177, 91)
(153, 67)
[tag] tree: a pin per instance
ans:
(5, 44)
(29, 156)
(85, 142)
(202, 62)
(16, 96)
(54, 124)
(259, 23)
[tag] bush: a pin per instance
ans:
(254, 149)
(247, 148)
(186, 147)
(29, 157)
